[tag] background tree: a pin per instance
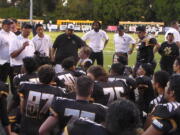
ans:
(108, 11)
(167, 10)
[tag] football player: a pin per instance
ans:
(117, 73)
(68, 76)
(36, 100)
(166, 120)
(144, 92)
(128, 71)
(122, 119)
(63, 109)
(160, 79)
(4, 89)
(176, 66)
(106, 91)
(29, 68)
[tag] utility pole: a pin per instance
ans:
(31, 12)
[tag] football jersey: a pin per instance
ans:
(107, 92)
(81, 71)
(129, 82)
(84, 126)
(84, 63)
(70, 95)
(37, 100)
(24, 78)
(158, 100)
(166, 118)
(66, 108)
(66, 77)
(128, 71)
(4, 89)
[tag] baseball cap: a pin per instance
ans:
(120, 27)
(141, 28)
(70, 27)
(7, 21)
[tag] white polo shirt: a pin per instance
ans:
(6, 38)
(42, 45)
(122, 43)
(27, 52)
(96, 40)
(175, 33)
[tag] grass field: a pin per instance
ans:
(109, 50)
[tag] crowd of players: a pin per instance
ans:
(84, 99)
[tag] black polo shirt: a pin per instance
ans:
(67, 46)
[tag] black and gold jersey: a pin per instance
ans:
(66, 108)
(20, 78)
(158, 100)
(166, 118)
(37, 100)
(84, 126)
(4, 89)
(107, 92)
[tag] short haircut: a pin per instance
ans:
(46, 74)
(30, 64)
(68, 63)
(84, 86)
(148, 68)
(174, 85)
(41, 60)
(97, 23)
(120, 27)
(122, 59)
(38, 25)
(98, 72)
(118, 68)
(27, 26)
(122, 118)
(178, 60)
(161, 77)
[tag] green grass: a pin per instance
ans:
(109, 50)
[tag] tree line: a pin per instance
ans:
(108, 11)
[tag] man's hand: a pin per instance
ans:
(25, 44)
(18, 51)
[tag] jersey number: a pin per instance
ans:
(79, 113)
(113, 92)
(33, 109)
(68, 78)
